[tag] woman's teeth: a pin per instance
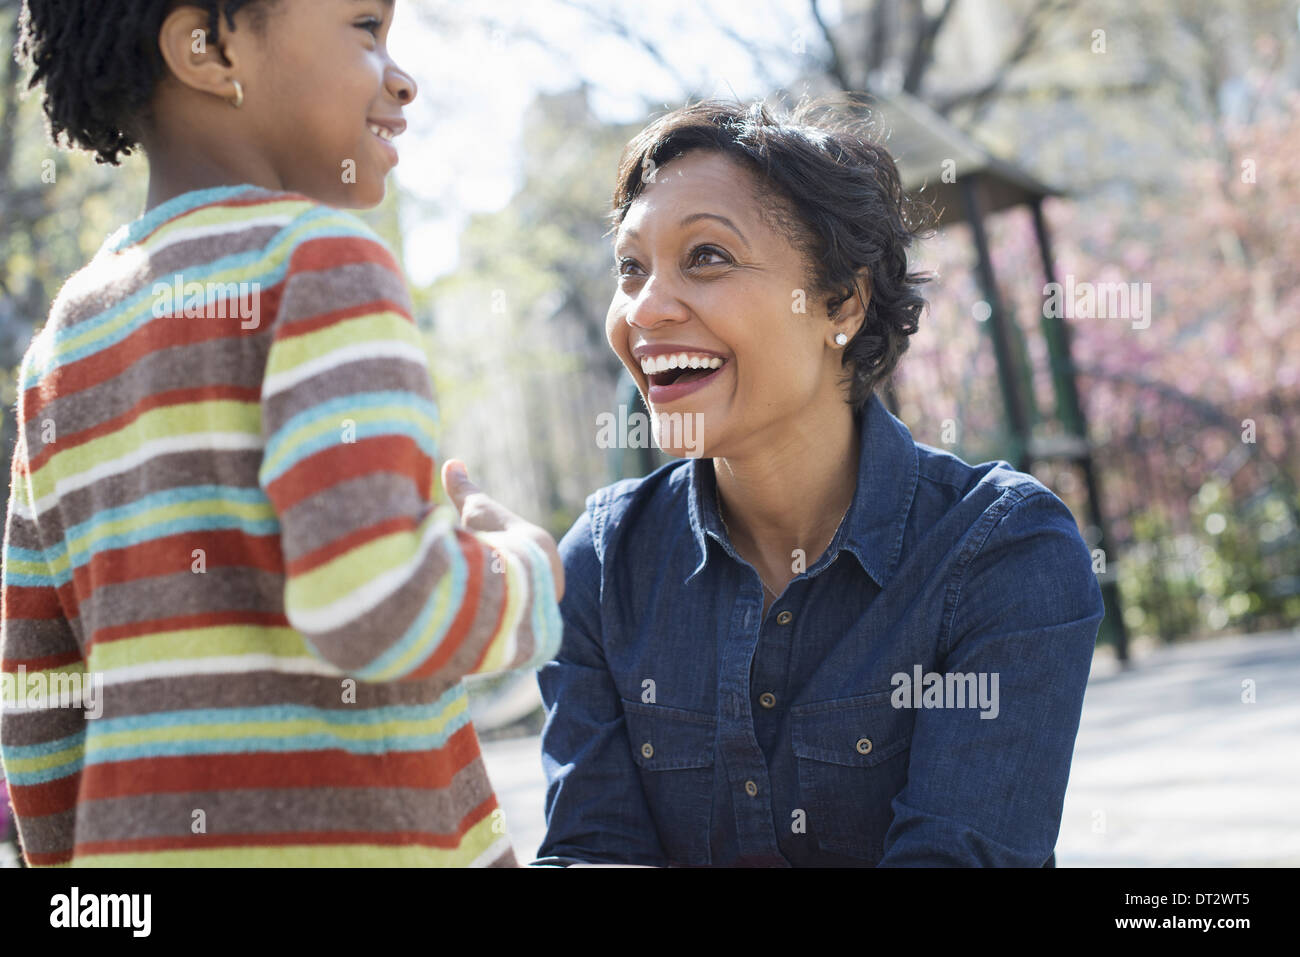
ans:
(682, 360)
(383, 132)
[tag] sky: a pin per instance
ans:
(479, 66)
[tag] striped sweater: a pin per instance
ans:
(234, 618)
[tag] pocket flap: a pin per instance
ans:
(668, 739)
(856, 732)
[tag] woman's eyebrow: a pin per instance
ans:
(631, 233)
(686, 221)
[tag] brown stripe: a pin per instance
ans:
(263, 689)
(254, 811)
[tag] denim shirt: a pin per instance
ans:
(911, 698)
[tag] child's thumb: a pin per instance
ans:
(455, 479)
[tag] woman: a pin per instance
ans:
(819, 643)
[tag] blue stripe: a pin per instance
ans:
(344, 717)
(249, 745)
(344, 407)
(276, 255)
(13, 752)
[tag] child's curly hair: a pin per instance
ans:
(832, 188)
(98, 61)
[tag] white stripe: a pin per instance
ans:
(496, 850)
(229, 664)
(217, 229)
(374, 592)
(220, 441)
(392, 349)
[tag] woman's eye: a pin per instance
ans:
(623, 265)
(699, 251)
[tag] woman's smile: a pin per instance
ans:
(674, 371)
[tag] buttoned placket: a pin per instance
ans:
(756, 656)
(744, 762)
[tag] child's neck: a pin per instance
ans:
(173, 172)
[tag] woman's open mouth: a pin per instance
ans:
(672, 376)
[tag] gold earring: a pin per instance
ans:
(238, 101)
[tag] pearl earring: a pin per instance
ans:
(841, 339)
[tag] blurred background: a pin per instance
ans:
(1141, 157)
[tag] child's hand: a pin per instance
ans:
(480, 513)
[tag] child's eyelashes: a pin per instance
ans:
(371, 25)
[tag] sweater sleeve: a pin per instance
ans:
(381, 582)
(42, 715)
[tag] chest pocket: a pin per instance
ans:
(673, 750)
(852, 757)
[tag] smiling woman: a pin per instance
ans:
(735, 624)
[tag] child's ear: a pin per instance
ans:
(184, 41)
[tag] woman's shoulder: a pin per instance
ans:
(610, 510)
(987, 502)
(946, 475)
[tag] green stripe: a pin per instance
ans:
(216, 415)
(217, 641)
(383, 326)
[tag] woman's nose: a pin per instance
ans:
(657, 303)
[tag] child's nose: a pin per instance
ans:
(400, 84)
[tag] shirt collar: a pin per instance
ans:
(873, 527)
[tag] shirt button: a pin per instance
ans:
(751, 788)
(864, 746)
(648, 750)
(767, 699)
(784, 618)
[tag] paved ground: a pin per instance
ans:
(1171, 767)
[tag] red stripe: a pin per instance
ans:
(159, 400)
(52, 797)
(472, 549)
(431, 770)
(501, 615)
(34, 603)
(152, 337)
(48, 860)
(43, 663)
(329, 252)
(223, 548)
(136, 629)
(300, 327)
(391, 454)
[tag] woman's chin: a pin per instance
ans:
(680, 432)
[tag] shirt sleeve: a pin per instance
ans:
(381, 582)
(987, 791)
(596, 811)
(42, 738)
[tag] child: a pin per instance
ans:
(234, 621)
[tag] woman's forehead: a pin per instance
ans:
(698, 182)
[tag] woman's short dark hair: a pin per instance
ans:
(837, 197)
(98, 61)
